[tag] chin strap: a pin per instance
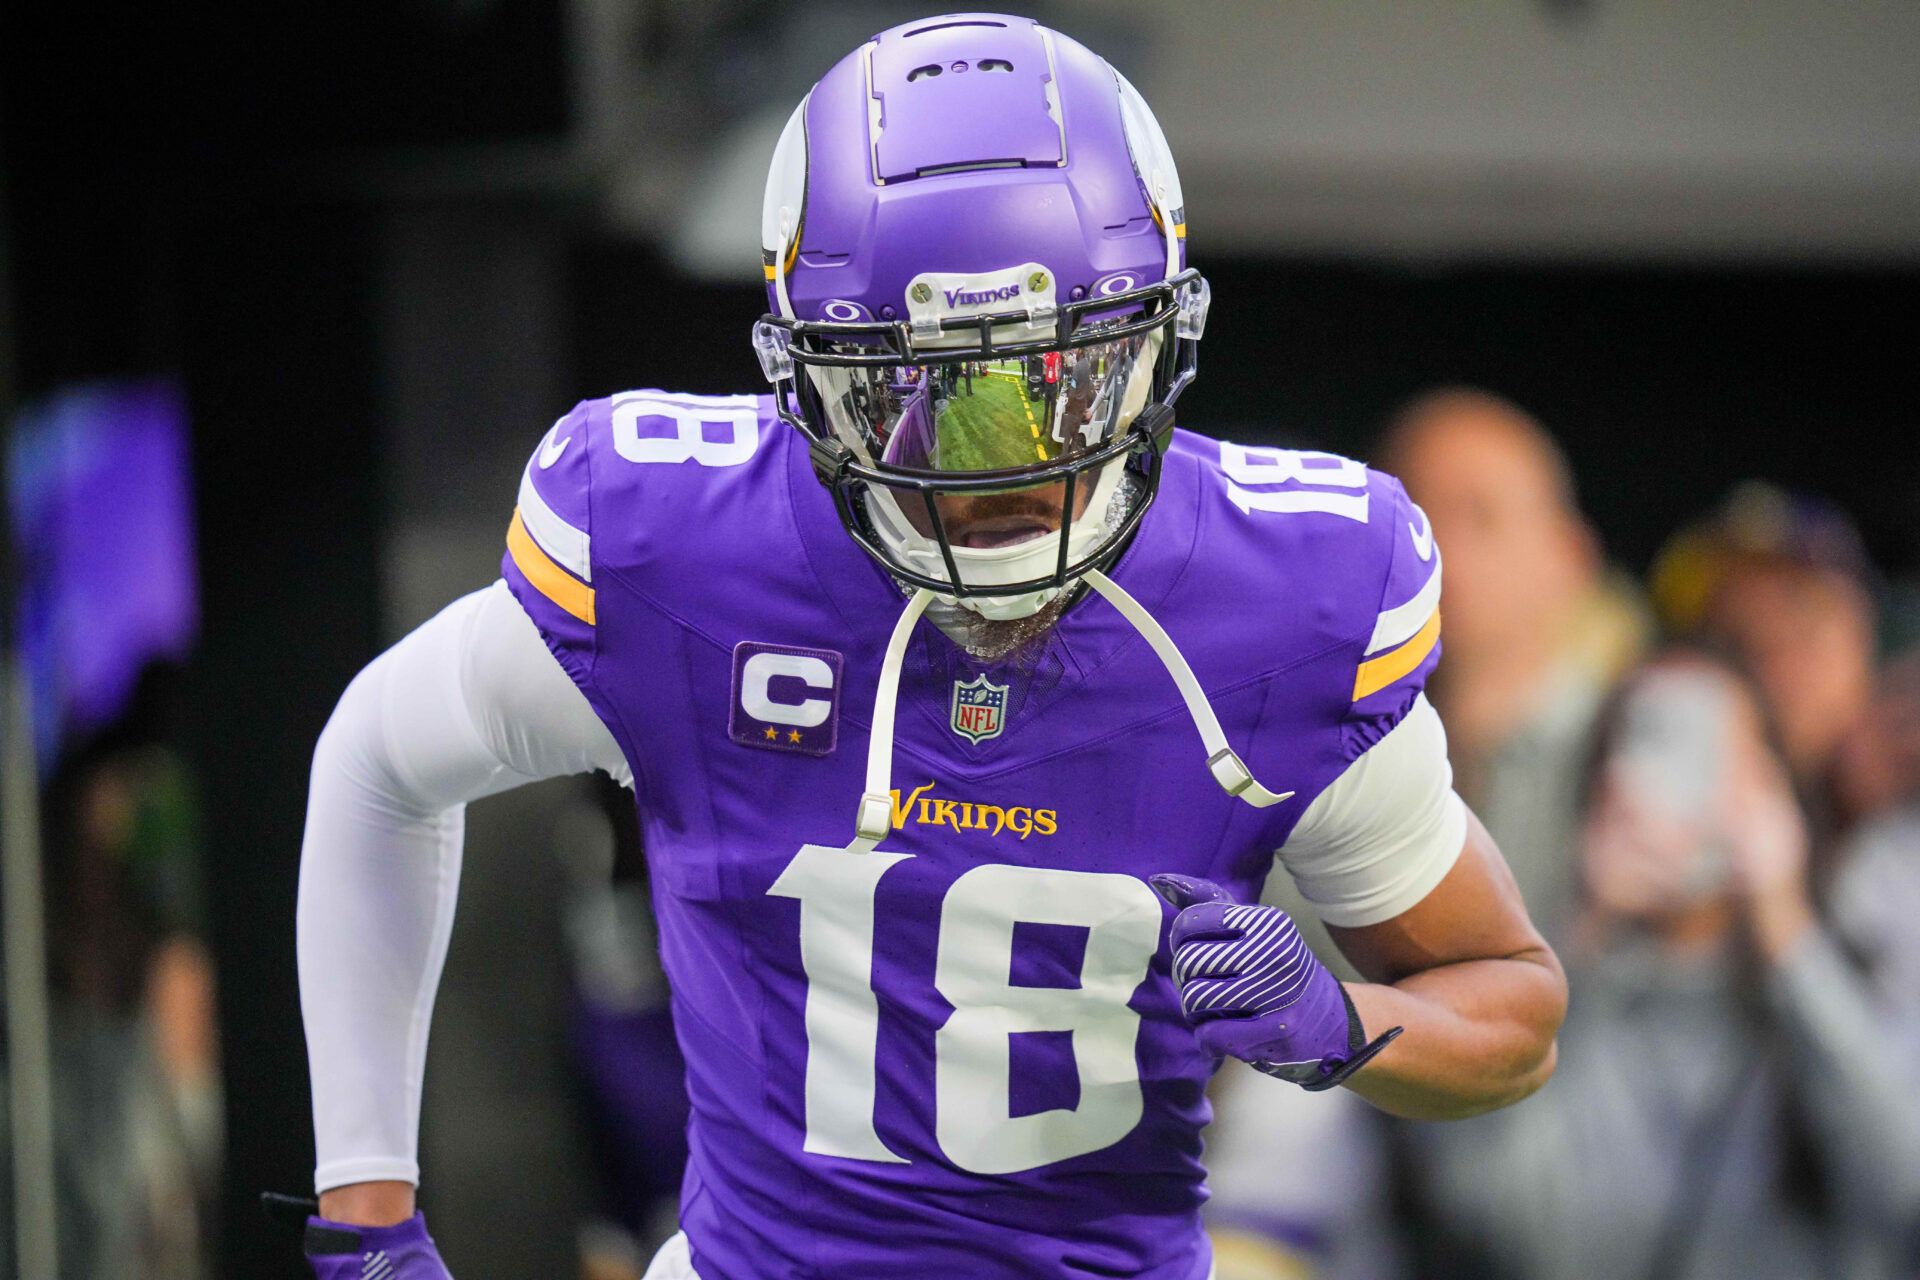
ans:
(874, 819)
(1233, 776)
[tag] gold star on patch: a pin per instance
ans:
(773, 734)
(793, 735)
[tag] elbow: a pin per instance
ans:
(1531, 1081)
(352, 733)
(1493, 1092)
(1532, 1049)
(353, 768)
(1532, 1065)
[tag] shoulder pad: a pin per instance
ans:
(653, 464)
(549, 541)
(1404, 644)
(1341, 552)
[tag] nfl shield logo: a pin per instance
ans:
(979, 709)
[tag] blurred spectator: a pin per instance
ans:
(1536, 631)
(1734, 1097)
(1877, 883)
(1878, 765)
(1781, 582)
(136, 1093)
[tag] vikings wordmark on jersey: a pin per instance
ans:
(960, 1053)
(924, 806)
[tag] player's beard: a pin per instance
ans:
(994, 640)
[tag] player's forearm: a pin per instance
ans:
(376, 904)
(378, 870)
(468, 705)
(1479, 1035)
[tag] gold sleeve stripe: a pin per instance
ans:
(1377, 673)
(553, 582)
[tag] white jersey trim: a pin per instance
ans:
(1402, 622)
(567, 546)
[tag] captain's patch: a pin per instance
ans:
(785, 698)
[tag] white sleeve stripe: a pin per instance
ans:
(567, 545)
(1400, 623)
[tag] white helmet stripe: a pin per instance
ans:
(785, 199)
(1154, 159)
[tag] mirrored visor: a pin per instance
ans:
(990, 414)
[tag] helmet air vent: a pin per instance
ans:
(968, 93)
(933, 69)
(969, 166)
(948, 26)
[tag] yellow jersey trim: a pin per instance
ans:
(548, 578)
(1377, 673)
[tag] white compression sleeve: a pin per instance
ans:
(470, 704)
(1386, 831)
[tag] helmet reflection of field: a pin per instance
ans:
(996, 425)
(1001, 415)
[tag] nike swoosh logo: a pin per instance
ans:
(551, 449)
(1422, 538)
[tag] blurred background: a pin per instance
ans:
(1617, 286)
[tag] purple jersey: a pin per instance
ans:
(961, 1053)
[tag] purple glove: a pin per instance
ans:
(1254, 990)
(404, 1251)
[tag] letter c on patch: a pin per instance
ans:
(759, 673)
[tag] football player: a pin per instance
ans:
(951, 840)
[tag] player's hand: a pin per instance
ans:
(1254, 990)
(342, 1251)
(348, 1251)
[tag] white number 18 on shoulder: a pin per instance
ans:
(1328, 483)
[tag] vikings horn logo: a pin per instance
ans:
(979, 709)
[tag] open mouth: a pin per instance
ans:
(999, 531)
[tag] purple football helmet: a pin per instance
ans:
(975, 254)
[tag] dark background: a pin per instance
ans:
(183, 193)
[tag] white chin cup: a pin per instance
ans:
(987, 567)
(1005, 608)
